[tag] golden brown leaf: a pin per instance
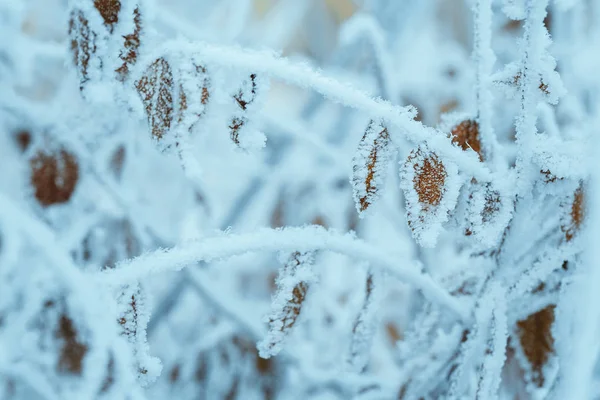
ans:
(430, 177)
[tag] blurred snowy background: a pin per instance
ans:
(86, 187)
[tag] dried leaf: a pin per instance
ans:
(576, 215)
(110, 375)
(487, 214)
(537, 342)
(83, 45)
(247, 93)
(364, 328)
(431, 189)
(54, 176)
(466, 135)
(109, 10)
(193, 96)
(430, 177)
(23, 139)
(73, 350)
(293, 283)
(370, 165)
(117, 161)
(156, 89)
(133, 320)
(131, 46)
(247, 100)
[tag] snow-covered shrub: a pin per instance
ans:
(299, 199)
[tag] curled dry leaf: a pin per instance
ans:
(431, 188)
(83, 45)
(54, 176)
(370, 165)
(156, 89)
(244, 98)
(293, 284)
(131, 46)
(537, 342)
(247, 100)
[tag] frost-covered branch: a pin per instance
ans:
(289, 239)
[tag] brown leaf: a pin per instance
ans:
(131, 46)
(83, 45)
(23, 139)
(370, 165)
(430, 177)
(156, 88)
(576, 216)
(73, 351)
(287, 303)
(109, 380)
(109, 10)
(466, 135)
(535, 337)
(245, 97)
(54, 176)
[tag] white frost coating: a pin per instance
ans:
(303, 76)
(427, 220)
(563, 158)
(514, 9)
(290, 239)
(537, 79)
(486, 341)
(485, 59)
